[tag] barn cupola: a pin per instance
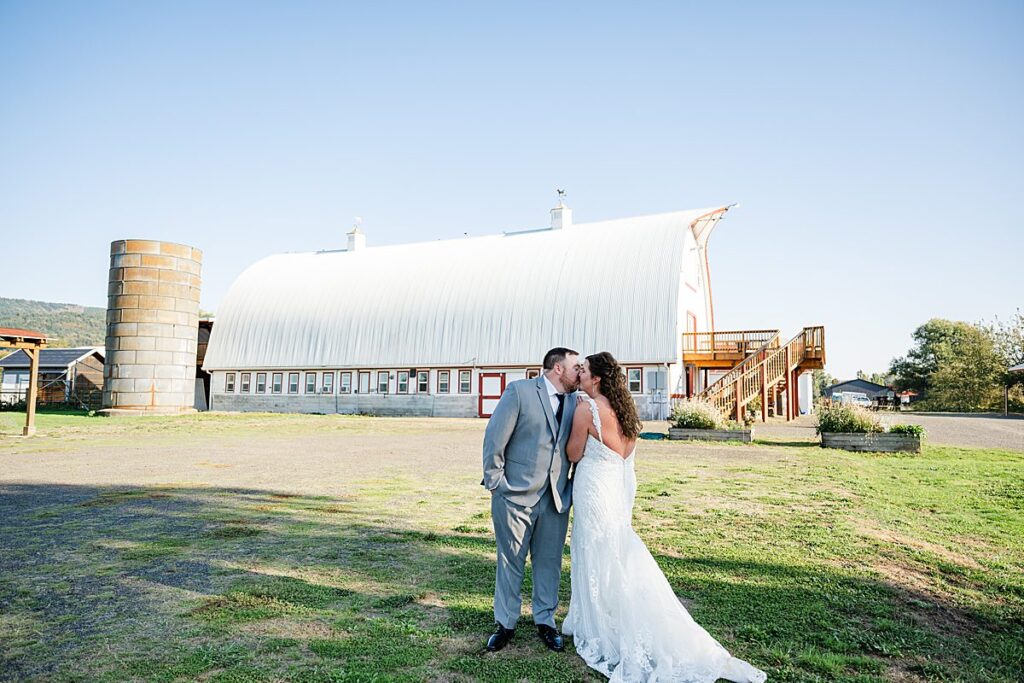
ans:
(561, 215)
(356, 238)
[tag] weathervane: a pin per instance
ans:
(561, 197)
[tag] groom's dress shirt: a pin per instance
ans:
(552, 395)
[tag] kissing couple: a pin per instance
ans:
(569, 437)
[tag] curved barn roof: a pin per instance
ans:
(495, 300)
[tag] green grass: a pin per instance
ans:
(815, 565)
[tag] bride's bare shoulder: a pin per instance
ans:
(582, 413)
(604, 407)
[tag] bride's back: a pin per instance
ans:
(611, 429)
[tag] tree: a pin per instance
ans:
(885, 379)
(820, 380)
(953, 364)
(1008, 339)
(932, 345)
(971, 379)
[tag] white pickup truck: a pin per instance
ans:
(854, 398)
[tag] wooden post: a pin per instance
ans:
(33, 386)
(789, 389)
(796, 392)
(764, 392)
(738, 415)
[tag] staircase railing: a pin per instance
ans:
(772, 368)
(730, 377)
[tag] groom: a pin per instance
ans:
(527, 473)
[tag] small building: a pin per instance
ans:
(878, 393)
(69, 376)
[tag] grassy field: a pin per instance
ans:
(335, 549)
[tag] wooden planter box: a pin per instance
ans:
(745, 435)
(876, 443)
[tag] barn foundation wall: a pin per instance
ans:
(388, 405)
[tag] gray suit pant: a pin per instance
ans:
(540, 530)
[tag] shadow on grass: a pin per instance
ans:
(173, 583)
(788, 444)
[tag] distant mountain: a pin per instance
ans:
(69, 324)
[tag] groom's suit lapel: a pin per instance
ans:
(542, 393)
(567, 412)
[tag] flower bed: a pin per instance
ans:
(874, 442)
(694, 420)
(855, 429)
(744, 435)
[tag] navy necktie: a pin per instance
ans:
(561, 405)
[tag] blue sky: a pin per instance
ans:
(875, 148)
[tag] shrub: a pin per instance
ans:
(908, 430)
(14, 405)
(847, 418)
(696, 414)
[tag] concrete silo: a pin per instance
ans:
(152, 327)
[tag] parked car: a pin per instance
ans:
(854, 398)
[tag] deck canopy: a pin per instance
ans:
(482, 301)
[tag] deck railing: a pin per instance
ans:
(737, 341)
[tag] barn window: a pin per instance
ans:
(382, 382)
(261, 382)
(635, 378)
(229, 382)
(293, 382)
(327, 387)
(465, 378)
(443, 377)
(310, 382)
(403, 381)
(532, 374)
(345, 386)
(423, 382)
(246, 378)
(276, 380)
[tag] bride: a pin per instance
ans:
(624, 618)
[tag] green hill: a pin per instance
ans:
(68, 324)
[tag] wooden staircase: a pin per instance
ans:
(768, 372)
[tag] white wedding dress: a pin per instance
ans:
(625, 620)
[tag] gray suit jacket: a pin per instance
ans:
(524, 451)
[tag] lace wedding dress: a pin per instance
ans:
(625, 620)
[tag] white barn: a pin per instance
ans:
(440, 328)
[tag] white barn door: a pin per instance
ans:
(492, 386)
(364, 382)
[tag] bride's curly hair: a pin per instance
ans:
(613, 387)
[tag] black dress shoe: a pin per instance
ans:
(499, 638)
(550, 637)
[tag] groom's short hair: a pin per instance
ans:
(556, 356)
